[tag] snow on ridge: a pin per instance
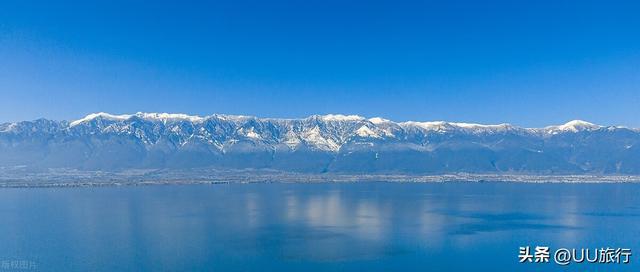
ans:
(314, 137)
(8, 127)
(170, 116)
(481, 126)
(340, 117)
(365, 131)
(249, 133)
(233, 118)
(144, 115)
(104, 115)
(433, 125)
(442, 126)
(571, 126)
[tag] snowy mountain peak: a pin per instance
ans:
(575, 126)
(378, 120)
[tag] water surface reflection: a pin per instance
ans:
(313, 227)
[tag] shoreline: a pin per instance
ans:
(145, 177)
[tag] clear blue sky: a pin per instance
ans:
(530, 63)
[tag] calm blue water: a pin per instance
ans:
(314, 227)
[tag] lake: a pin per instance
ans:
(372, 226)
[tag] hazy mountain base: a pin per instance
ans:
(62, 177)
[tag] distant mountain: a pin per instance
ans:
(317, 144)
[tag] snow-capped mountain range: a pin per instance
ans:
(319, 143)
